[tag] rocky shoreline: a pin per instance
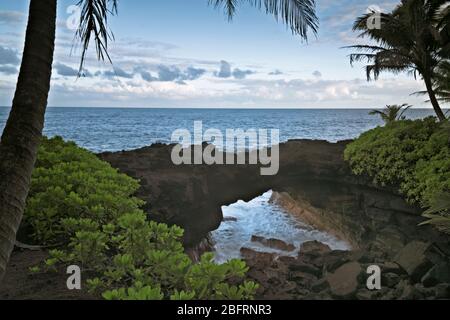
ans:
(319, 273)
(316, 185)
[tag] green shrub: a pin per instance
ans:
(70, 182)
(413, 155)
(80, 202)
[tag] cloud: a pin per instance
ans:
(192, 73)
(241, 74)
(8, 70)
(276, 73)
(147, 76)
(317, 74)
(225, 70)
(117, 72)
(167, 73)
(8, 56)
(65, 70)
(11, 17)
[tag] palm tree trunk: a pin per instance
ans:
(23, 131)
(434, 101)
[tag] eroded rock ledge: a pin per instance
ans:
(313, 177)
(314, 183)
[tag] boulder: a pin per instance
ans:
(303, 279)
(406, 291)
(335, 259)
(425, 292)
(412, 258)
(253, 257)
(390, 279)
(274, 243)
(440, 273)
(365, 294)
(409, 293)
(391, 267)
(306, 268)
(442, 291)
(389, 240)
(344, 281)
(314, 248)
(320, 285)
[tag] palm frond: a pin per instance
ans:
(229, 6)
(299, 15)
(392, 113)
(439, 213)
(94, 26)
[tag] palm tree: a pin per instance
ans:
(23, 131)
(405, 42)
(392, 113)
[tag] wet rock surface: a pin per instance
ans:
(274, 243)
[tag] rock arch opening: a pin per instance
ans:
(263, 225)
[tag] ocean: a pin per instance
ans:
(109, 129)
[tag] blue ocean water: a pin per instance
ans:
(108, 129)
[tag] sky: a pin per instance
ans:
(185, 53)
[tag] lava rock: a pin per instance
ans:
(412, 258)
(390, 279)
(392, 267)
(344, 281)
(320, 285)
(442, 291)
(439, 273)
(253, 257)
(274, 243)
(314, 248)
(306, 268)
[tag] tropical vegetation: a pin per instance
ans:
(392, 113)
(85, 210)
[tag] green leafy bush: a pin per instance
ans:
(83, 204)
(70, 182)
(411, 154)
(414, 155)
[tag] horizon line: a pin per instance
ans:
(232, 108)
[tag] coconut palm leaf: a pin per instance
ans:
(392, 113)
(298, 15)
(94, 23)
